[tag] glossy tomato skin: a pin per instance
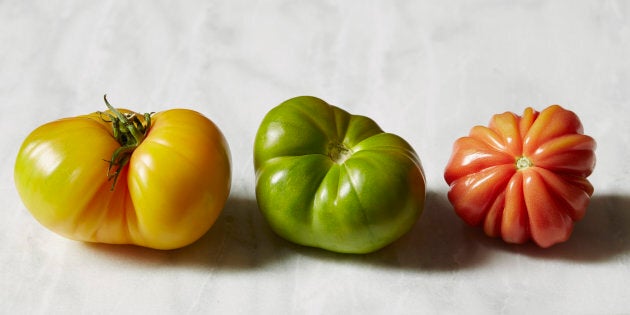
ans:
(167, 196)
(523, 177)
(328, 179)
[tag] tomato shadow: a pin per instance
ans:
(601, 235)
(239, 240)
(439, 241)
(242, 240)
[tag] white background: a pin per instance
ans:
(425, 70)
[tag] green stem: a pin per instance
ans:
(523, 163)
(129, 131)
(338, 152)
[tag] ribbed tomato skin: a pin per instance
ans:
(523, 177)
(168, 195)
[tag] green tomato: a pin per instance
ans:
(329, 179)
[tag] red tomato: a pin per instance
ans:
(523, 177)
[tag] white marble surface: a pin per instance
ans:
(426, 70)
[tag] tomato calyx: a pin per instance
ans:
(338, 152)
(523, 162)
(129, 131)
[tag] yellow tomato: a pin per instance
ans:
(157, 181)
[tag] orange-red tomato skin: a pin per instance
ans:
(523, 177)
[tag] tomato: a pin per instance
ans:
(329, 179)
(523, 177)
(119, 177)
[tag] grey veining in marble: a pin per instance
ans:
(426, 70)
